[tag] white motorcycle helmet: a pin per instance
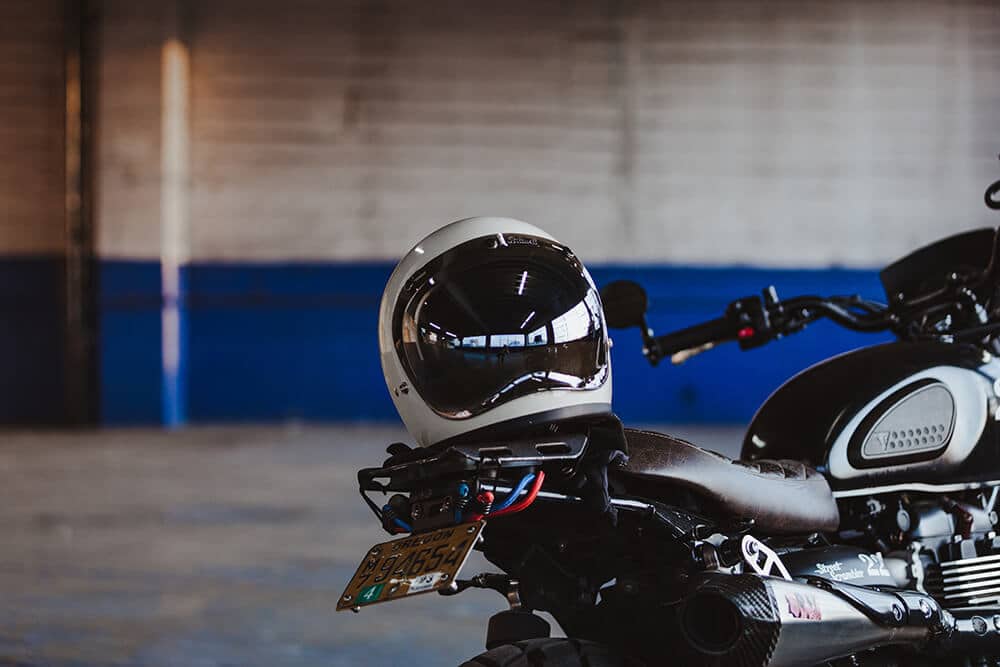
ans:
(491, 323)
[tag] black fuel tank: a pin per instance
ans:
(890, 413)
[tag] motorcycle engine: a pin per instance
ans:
(946, 546)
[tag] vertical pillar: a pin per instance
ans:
(76, 230)
(78, 286)
(174, 211)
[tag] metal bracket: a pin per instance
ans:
(514, 595)
(916, 566)
(525, 451)
(500, 583)
(989, 505)
(762, 559)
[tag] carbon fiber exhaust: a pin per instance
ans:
(751, 621)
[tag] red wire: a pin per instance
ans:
(486, 498)
(526, 501)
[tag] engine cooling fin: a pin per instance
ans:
(968, 582)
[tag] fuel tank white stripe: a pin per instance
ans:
(920, 487)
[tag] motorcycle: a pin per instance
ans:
(859, 526)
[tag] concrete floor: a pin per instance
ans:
(210, 547)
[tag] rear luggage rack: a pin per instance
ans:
(472, 457)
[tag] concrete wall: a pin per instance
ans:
(32, 124)
(128, 119)
(692, 132)
(327, 137)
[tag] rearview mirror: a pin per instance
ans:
(624, 304)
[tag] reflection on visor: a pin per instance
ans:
(497, 318)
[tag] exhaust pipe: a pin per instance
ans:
(751, 621)
(977, 632)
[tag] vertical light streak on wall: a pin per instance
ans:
(174, 211)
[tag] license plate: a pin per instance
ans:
(410, 565)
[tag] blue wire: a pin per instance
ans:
(399, 522)
(521, 486)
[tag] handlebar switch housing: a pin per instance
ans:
(751, 322)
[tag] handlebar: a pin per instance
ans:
(755, 321)
(707, 333)
(838, 309)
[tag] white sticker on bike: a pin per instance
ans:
(836, 571)
(424, 582)
(875, 564)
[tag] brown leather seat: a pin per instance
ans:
(783, 497)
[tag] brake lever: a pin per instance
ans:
(678, 358)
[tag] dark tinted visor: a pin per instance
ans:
(497, 318)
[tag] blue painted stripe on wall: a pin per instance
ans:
(725, 384)
(298, 341)
(295, 341)
(130, 366)
(32, 387)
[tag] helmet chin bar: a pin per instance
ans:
(553, 422)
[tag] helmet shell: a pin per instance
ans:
(427, 425)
